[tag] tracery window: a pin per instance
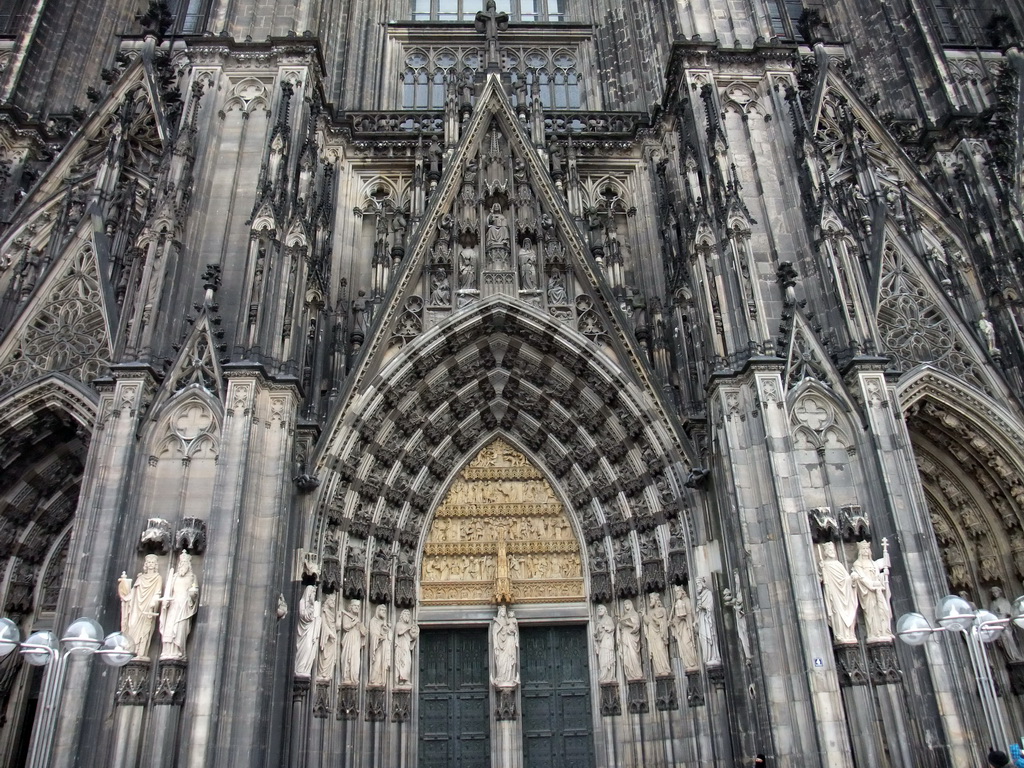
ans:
(787, 18)
(551, 74)
(465, 10)
(190, 16)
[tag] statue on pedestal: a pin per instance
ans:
(656, 630)
(406, 634)
(328, 658)
(380, 647)
(352, 640)
(682, 629)
(706, 632)
(604, 643)
(180, 603)
(140, 605)
(505, 645)
(871, 578)
(840, 595)
(307, 632)
(629, 642)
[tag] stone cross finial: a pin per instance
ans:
(490, 22)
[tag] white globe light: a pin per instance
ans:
(993, 630)
(913, 629)
(953, 612)
(117, 650)
(84, 634)
(10, 636)
(1018, 611)
(37, 641)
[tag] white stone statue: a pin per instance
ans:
(871, 579)
(734, 600)
(406, 634)
(629, 642)
(604, 644)
(706, 632)
(381, 641)
(352, 640)
(140, 605)
(307, 631)
(527, 266)
(1003, 608)
(656, 632)
(327, 659)
(180, 603)
(505, 645)
(682, 629)
(840, 595)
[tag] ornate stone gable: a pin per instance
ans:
(63, 330)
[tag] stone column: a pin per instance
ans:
(130, 700)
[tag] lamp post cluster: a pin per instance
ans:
(83, 637)
(979, 628)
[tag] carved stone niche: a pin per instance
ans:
(401, 706)
(694, 691)
(636, 697)
(355, 573)
(850, 665)
(300, 688)
(652, 566)
(882, 664)
(611, 704)
(156, 539)
(348, 702)
(405, 580)
(191, 537)
(376, 704)
(716, 675)
(322, 700)
(505, 704)
(380, 576)
(171, 682)
(665, 693)
(133, 684)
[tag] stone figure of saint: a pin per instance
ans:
(604, 643)
(497, 239)
(328, 658)
(734, 600)
(352, 640)
(180, 602)
(988, 332)
(406, 634)
(1003, 609)
(440, 288)
(871, 579)
(556, 290)
(307, 632)
(840, 595)
(380, 647)
(682, 628)
(656, 631)
(527, 266)
(505, 645)
(628, 631)
(140, 605)
(467, 268)
(707, 634)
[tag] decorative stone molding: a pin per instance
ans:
(611, 704)
(133, 684)
(376, 704)
(850, 665)
(322, 699)
(300, 688)
(171, 684)
(348, 702)
(665, 694)
(636, 697)
(401, 706)
(191, 537)
(505, 703)
(694, 690)
(716, 675)
(156, 538)
(883, 665)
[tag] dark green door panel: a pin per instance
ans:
(557, 723)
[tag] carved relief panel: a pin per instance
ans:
(501, 535)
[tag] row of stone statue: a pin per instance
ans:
(690, 626)
(148, 599)
(863, 590)
(332, 637)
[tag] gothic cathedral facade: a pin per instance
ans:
(580, 383)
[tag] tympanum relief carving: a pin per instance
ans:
(501, 535)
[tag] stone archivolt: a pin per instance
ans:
(501, 517)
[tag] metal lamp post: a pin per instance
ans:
(979, 628)
(83, 637)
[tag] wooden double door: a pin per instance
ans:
(455, 715)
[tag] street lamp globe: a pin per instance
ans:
(913, 629)
(953, 612)
(117, 650)
(33, 649)
(988, 626)
(84, 634)
(1018, 611)
(9, 637)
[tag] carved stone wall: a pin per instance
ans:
(501, 535)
